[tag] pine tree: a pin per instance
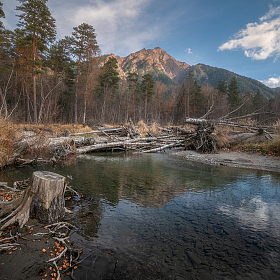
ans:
(84, 47)
(2, 15)
(108, 82)
(198, 100)
(185, 96)
(222, 86)
(133, 87)
(3, 39)
(234, 99)
(60, 63)
(147, 86)
(38, 26)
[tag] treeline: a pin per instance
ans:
(68, 81)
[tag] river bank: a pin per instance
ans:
(233, 159)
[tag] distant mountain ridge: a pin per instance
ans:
(165, 68)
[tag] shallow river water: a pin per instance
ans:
(160, 217)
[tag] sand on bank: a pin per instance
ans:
(233, 159)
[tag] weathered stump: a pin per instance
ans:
(43, 200)
(48, 205)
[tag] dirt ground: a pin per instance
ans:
(233, 159)
(29, 260)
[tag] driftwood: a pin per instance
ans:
(201, 136)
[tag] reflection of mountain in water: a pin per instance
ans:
(149, 180)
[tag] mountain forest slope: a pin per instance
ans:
(168, 70)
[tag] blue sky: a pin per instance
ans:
(242, 36)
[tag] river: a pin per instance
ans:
(161, 217)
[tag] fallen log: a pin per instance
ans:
(164, 147)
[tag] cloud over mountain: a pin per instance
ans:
(272, 82)
(120, 25)
(259, 40)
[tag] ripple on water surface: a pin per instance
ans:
(156, 217)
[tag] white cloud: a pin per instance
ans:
(121, 26)
(189, 51)
(272, 82)
(259, 40)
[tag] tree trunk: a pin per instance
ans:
(43, 200)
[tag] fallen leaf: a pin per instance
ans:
(44, 250)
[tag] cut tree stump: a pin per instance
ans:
(43, 200)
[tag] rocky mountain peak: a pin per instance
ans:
(150, 61)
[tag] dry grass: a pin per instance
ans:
(145, 129)
(274, 146)
(154, 129)
(271, 148)
(222, 138)
(9, 132)
(7, 135)
(277, 127)
(142, 128)
(53, 129)
(189, 127)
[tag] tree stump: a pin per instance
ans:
(43, 200)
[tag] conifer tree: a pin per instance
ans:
(60, 62)
(2, 34)
(185, 94)
(198, 100)
(108, 81)
(222, 86)
(84, 47)
(38, 26)
(133, 87)
(234, 99)
(2, 15)
(147, 86)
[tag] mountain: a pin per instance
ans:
(163, 67)
(208, 74)
(277, 89)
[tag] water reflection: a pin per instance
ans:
(255, 213)
(156, 217)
